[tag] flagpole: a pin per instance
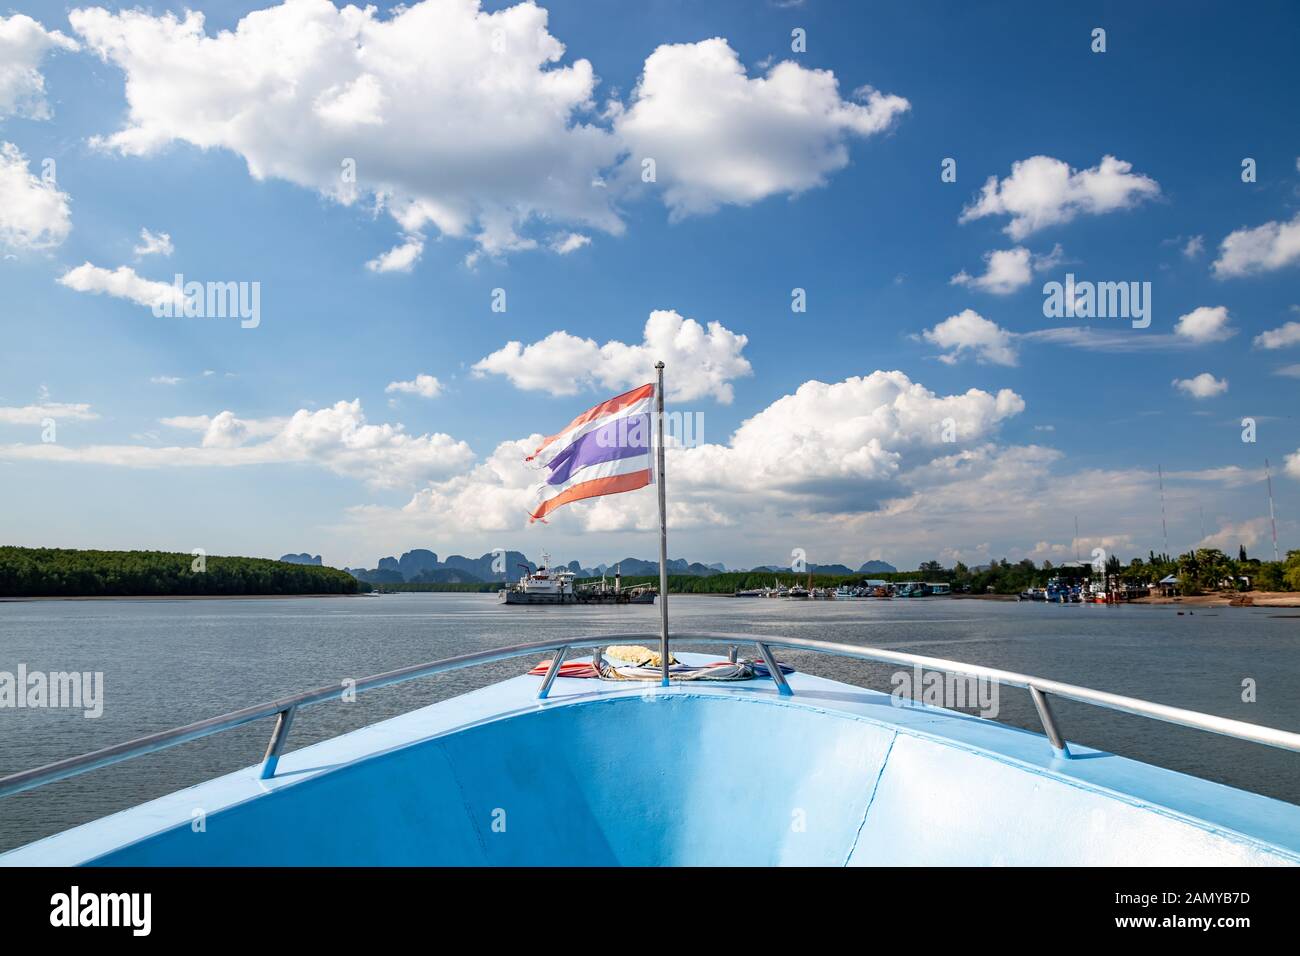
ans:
(663, 532)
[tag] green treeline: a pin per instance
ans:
(60, 572)
(473, 587)
(1206, 569)
(1198, 571)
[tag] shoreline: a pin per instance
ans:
(1274, 599)
(1257, 599)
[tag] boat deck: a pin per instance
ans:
(896, 784)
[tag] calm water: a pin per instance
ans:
(171, 662)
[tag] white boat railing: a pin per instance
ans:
(284, 709)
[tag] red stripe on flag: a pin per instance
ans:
(594, 489)
(604, 408)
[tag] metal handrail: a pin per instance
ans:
(286, 708)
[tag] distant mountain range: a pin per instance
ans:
(421, 566)
(871, 567)
(814, 568)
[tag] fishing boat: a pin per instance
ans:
(1095, 592)
(1061, 592)
(563, 766)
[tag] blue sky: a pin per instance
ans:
(776, 170)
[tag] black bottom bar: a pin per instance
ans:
(366, 906)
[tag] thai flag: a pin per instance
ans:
(604, 451)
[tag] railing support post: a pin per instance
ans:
(551, 673)
(781, 686)
(283, 722)
(1048, 719)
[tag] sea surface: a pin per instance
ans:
(171, 662)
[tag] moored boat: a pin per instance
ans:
(544, 585)
(548, 585)
(912, 589)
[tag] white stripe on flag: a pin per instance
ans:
(603, 469)
(548, 454)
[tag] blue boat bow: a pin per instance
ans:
(794, 770)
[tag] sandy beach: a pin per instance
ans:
(1222, 599)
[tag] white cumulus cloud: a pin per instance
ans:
(1204, 385)
(865, 427)
(1236, 534)
(36, 414)
(1265, 248)
(34, 213)
(1007, 270)
(479, 125)
(699, 361)
(565, 243)
(495, 495)
(1205, 324)
(121, 283)
(400, 258)
(1292, 464)
(1042, 191)
(23, 45)
(154, 244)
(450, 116)
(828, 447)
(968, 331)
(426, 386)
(1279, 338)
(718, 136)
(337, 438)
(218, 429)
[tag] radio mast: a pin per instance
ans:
(1164, 527)
(1268, 476)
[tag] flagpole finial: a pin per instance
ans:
(659, 365)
